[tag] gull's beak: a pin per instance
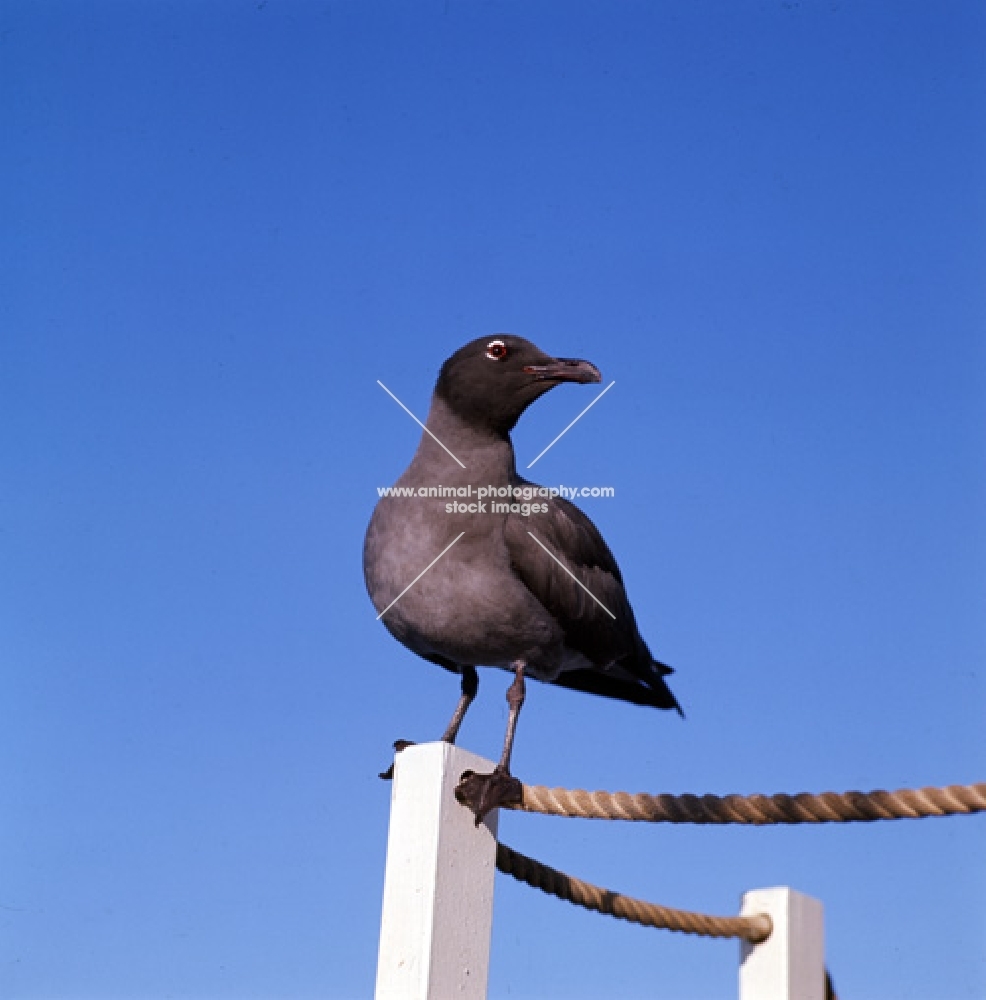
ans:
(565, 370)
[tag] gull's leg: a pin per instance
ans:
(516, 694)
(484, 792)
(470, 685)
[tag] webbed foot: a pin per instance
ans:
(399, 745)
(484, 792)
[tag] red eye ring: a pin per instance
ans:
(496, 350)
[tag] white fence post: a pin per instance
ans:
(790, 964)
(438, 887)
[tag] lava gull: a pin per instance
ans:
(504, 577)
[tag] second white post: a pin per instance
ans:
(790, 964)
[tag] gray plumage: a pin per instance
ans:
(496, 598)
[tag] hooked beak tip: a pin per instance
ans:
(566, 370)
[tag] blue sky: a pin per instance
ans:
(223, 222)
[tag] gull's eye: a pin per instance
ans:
(496, 350)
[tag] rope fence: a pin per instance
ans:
(437, 851)
(758, 810)
(754, 929)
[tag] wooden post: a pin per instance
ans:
(790, 964)
(438, 887)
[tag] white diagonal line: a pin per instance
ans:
(576, 420)
(421, 574)
(571, 574)
(425, 429)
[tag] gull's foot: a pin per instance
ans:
(399, 745)
(485, 792)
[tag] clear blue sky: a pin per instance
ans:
(223, 222)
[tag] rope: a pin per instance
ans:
(524, 869)
(828, 807)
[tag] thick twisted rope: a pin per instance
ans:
(753, 929)
(828, 807)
